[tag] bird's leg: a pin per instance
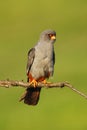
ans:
(34, 83)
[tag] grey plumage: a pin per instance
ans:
(41, 60)
(31, 56)
(44, 56)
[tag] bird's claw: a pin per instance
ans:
(45, 82)
(34, 83)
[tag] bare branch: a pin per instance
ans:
(10, 83)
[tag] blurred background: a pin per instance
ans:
(21, 22)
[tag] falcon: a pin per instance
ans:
(40, 65)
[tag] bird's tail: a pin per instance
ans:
(31, 96)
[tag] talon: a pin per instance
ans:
(34, 83)
(45, 82)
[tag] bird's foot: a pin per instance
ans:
(34, 83)
(45, 82)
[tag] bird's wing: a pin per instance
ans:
(53, 57)
(31, 56)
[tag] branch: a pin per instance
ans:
(10, 83)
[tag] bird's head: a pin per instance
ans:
(48, 36)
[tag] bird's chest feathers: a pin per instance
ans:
(43, 61)
(44, 54)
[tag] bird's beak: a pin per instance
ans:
(53, 37)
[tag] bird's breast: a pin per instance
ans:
(43, 63)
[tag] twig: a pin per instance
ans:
(10, 83)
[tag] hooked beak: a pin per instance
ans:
(53, 37)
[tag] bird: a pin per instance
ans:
(40, 65)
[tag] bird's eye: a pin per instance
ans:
(52, 36)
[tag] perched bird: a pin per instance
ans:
(40, 65)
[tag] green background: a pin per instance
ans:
(21, 22)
